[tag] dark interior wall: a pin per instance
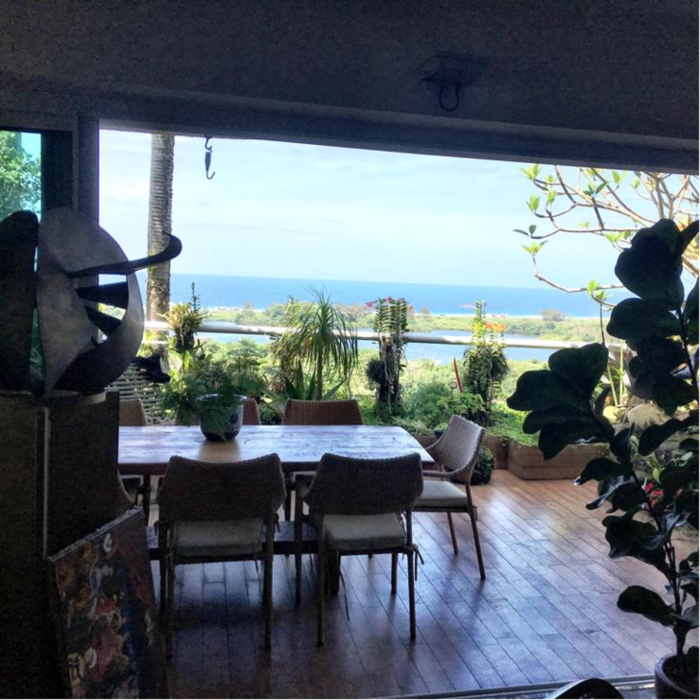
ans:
(325, 68)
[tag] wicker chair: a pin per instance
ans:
(251, 415)
(322, 413)
(356, 507)
(133, 414)
(317, 413)
(216, 512)
(455, 453)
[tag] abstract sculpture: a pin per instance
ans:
(53, 333)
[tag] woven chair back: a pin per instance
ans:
(458, 448)
(195, 490)
(131, 412)
(349, 486)
(251, 415)
(322, 413)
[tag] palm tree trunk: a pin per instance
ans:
(160, 206)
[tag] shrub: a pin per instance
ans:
(384, 374)
(434, 403)
(483, 469)
(485, 363)
(508, 424)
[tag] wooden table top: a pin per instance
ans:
(146, 450)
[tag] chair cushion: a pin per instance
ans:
(364, 532)
(217, 538)
(441, 494)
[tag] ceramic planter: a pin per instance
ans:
(665, 686)
(214, 431)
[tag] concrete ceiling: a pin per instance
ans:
(595, 66)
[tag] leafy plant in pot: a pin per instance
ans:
(647, 504)
(209, 392)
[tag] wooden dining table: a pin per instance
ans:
(146, 450)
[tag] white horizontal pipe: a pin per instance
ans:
(235, 329)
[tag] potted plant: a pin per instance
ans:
(649, 499)
(207, 392)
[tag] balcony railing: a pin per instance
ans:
(236, 329)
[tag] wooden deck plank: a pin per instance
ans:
(547, 611)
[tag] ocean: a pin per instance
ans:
(260, 292)
(217, 291)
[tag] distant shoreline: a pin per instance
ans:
(432, 314)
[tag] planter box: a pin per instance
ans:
(499, 449)
(529, 463)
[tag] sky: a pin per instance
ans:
(277, 209)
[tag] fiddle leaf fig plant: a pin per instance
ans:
(648, 498)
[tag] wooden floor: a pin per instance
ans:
(546, 611)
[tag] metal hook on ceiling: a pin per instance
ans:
(207, 158)
(457, 87)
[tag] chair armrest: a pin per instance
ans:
(436, 474)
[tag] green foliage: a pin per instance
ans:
(384, 375)
(553, 315)
(653, 499)
(434, 402)
(577, 329)
(485, 362)
(206, 390)
(318, 341)
(248, 362)
(184, 320)
(483, 469)
(508, 425)
(20, 176)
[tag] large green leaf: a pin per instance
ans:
(535, 421)
(633, 319)
(620, 444)
(602, 468)
(660, 355)
(626, 496)
(686, 508)
(690, 617)
(555, 437)
(581, 367)
(600, 401)
(688, 233)
(678, 477)
(640, 600)
(631, 538)
(690, 444)
(606, 487)
(669, 392)
(665, 231)
(690, 315)
(651, 267)
(542, 389)
(654, 435)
